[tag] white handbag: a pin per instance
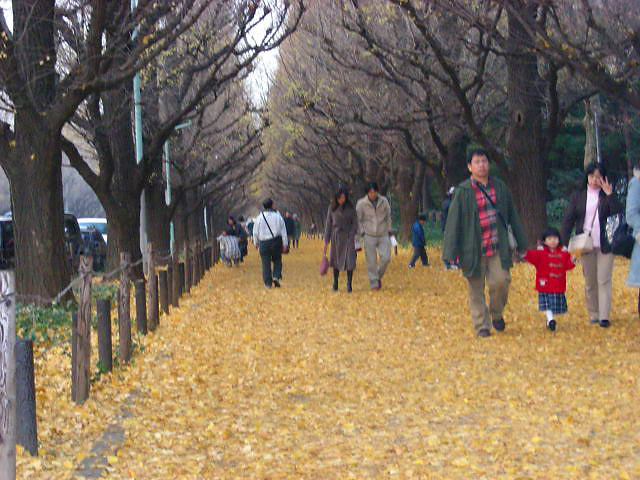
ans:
(582, 242)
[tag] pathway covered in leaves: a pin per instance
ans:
(302, 382)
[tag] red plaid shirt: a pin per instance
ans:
(488, 218)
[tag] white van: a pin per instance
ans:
(99, 224)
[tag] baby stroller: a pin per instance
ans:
(229, 249)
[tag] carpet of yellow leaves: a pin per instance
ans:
(303, 382)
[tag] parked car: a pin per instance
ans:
(96, 247)
(73, 240)
(99, 224)
(7, 243)
(74, 244)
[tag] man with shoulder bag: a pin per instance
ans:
(483, 230)
(270, 237)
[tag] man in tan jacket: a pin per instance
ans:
(374, 221)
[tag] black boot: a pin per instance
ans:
(336, 275)
(349, 279)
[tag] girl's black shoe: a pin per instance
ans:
(551, 325)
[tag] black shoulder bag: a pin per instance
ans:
(278, 239)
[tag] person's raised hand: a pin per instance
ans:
(606, 186)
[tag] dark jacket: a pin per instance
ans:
(290, 226)
(462, 235)
(340, 230)
(574, 215)
(445, 212)
(417, 235)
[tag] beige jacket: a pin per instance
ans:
(374, 221)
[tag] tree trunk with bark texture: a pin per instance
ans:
(42, 266)
(454, 165)
(157, 217)
(409, 183)
(527, 174)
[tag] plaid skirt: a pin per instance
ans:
(556, 302)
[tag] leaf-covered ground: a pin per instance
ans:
(302, 382)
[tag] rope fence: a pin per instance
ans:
(167, 279)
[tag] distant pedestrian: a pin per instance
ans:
(270, 236)
(235, 228)
(374, 223)
(477, 232)
(298, 230)
(341, 228)
(250, 227)
(290, 226)
(418, 241)
(552, 264)
(229, 249)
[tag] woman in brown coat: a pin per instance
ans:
(340, 231)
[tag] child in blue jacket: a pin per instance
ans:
(418, 241)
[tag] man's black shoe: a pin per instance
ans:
(484, 333)
(498, 324)
(605, 323)
(276, 283)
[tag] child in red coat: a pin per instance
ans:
(551, 263)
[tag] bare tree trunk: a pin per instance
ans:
(124, 235)
(157, 217)
(590, 151)
(626, 131)
(527, 176)
(42, 268)
(454, 165)
(409, 183)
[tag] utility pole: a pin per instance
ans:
(167, 192)
(137, 110)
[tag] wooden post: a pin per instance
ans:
(170, 282)
(74, 352)
(154, 313)
(175, 285)
(26, 397)
(164, 291)
(105, 350)
(154, 307)
(7, 376)
(199, 261)
(81, 369)
(207, 258)
(124, 309)
(202, 266)
(182, 277)
(187, 269)
(141, 307)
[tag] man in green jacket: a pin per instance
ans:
(477, 233)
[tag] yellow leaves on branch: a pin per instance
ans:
(304, 382)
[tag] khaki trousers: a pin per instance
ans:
(372, 247)
(498, 280)
(597, 268)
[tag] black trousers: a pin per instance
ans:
(419, 252)
(271, 253)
